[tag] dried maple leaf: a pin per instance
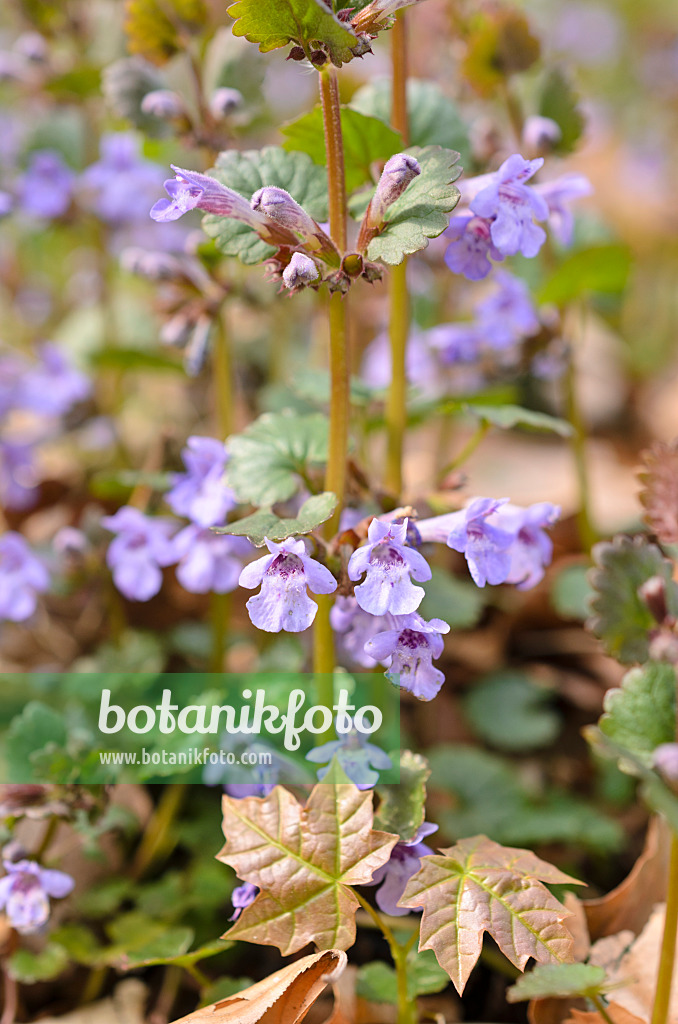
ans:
(282, 998)
(659, 495)
(303, 859)
(479, 886)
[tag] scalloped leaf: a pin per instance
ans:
(367, 141)
(478, 886)
(270, 456)
(402, 805)
(641, 714)
(307, 23)
(620, 618)
(250, 170)
(303, 859)
(558, 981)
(659, 496)
(154, 28)
(266, 525)
(422, 211)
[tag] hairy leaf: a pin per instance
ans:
(641, 713)
(155, 28)
(422, 211)
(265, 524)
(478, 886)
(269, 456)
(559, 101)
(303, 859)
(308, 23)
(282, 998)
(367, 141)
(601, 268)
(659, 495)
(509, 416)
(434, 119)
(512, 713)
(558, 981)
(620, 617)
(401, 807)
(248, 171)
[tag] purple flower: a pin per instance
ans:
(457, 343)
(240, 790)
(52, 386)
(393, 876)
(200, 493)
(224, 101)
(531, 549)
(6, 203)
(46, 188)
(512, 205)
(22, 577)
(355, 627)
(191, 191)
(25, 892)
(507, 315)
(471, 247)
(284, 575)
(485, 545)
(421, 368)
(300, 271)
(388, 564)
(241, 897)
(142, 546)
(541, 134)
(410, 647)
(209, 561)
(558, 194)
(18, 479)
(121, 183)
(357, 757)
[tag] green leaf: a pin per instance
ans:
(402, 804)
(620, 618)
(459, 602)
(28, 967)
(367, 141)
(134, 360)
(422, 211)
(434, 119)
(571, 592)
(156, 29)
(248, 171)
(653, 789)
(559, 101)
(269, 456)
(124, 84)
(509, 416)
(558, 981)
(602, 268)
(510, 712)
(641, 713)
(224, 988)
(264, 524)
(308, 23)
(377, 982)
(500, 44)
(37, 728)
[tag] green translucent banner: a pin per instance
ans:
(248, 730)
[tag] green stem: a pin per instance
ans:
(334, 148)
(468, 449)
(223, 379)
(407, 1007)
(47, 838)
(600, 1007)
(587, 531)
(662, 998)
(158, 839)
(399, 304)
(219, 609)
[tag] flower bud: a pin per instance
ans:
(665, 760)
(397, 174)
(279, 205)
(541, 135)
(224, 101)
(163, 104)
(296, 53)
(178, 329)
(300, 271)
(653, 593)
(32, 46)
(151, 264)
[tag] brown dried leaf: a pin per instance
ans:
(283, 998)
(617, 1014)
(303, 859)
(478, 886)
(659, 496)
(636, 971)
(630, 903)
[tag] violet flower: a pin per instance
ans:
(241, 897)
(18, 478)
(52, 386)
(22, 577)
(46, 189)
(471, 247)
(421, 367)
(486, 546)
(508, 314)
(191, 191)
(393, 876)
(409, 648)
(284, 575)
(388, 564)
(360, 760)
(558, 194)
(209, 562)
(140, 549)
(25, 891)
(354, 627)
(200, 493)
(512, 206)
(531, 549)
(121, 183)
(456, 343)
(300, 271)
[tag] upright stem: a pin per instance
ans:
(587, 531)
(399, 305)
(224, 408)
(334, 148)
(662, 998)
(407, 1008)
